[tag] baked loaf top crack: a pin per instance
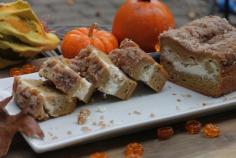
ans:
(210, 35)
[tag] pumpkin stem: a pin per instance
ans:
(91, 29)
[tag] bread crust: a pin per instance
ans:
(228, 79)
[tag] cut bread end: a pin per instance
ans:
(118, 84)
(198, 73)
(139, 65)
(97, 67)
(154, 76)
(66, 80)
(41, 101)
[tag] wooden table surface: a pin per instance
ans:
(181, 145)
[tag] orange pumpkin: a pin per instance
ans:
(80, 38)
(142, 21)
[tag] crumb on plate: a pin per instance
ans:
(98, 155)
(83, 115)
(137, 112)
(85, 129)
(152, 115)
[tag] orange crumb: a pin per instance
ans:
(164, 133)
(134, 150)
(99, 155)
(15, 72)
(211, 131)
(193, 126)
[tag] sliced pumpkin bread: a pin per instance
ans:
(40, 100)
(98, 69)
(139, 65)
(66, 80)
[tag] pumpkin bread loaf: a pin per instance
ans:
(40, 100)
(98, 69)
(66, 80)
(201, 56)
(138, 65)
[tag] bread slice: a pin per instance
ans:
(98, 69)
(201, 55)
(66, 80)
(139, 65)
(41, 100)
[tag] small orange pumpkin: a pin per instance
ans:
(80, 38)
(142, 21)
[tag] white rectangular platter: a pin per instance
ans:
(110, 116)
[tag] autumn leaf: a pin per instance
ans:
(11, 124)
(4, 103)
(27, 125)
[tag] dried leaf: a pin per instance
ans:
(4, 103)
(3, 116)
(6, 136)
(28, 126)
(11, 124)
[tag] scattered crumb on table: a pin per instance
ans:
(177, 107)
(178, 100)
(101, 117)
(101, 124)
(50, 134)
(101, 109)
(137, 112)
(69, 132)
(94, 123)
(83, 115)
(189, 95)
(85, 129)
(173, 93)
(54, 137)
(152, 115)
